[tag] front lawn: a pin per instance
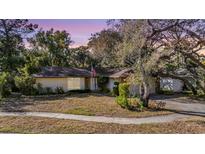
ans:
(82, 104)
(47, 125)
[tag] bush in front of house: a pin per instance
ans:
(135, 104)
(102, 82)
(40, 89)
(5, 88)
(49, 90)
(124, 89)
(129, 103)
(59, 90)
(25, 84)
(166, 92)
(122, 99)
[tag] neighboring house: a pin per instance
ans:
(82, 79)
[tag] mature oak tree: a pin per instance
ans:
(149, 46)
(103, 46)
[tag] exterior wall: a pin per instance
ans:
(53, 83)
(93, 84)
(111, 82)
(66, 83)
(174, 85)
(134, 88)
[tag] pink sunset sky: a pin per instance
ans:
(80, 29)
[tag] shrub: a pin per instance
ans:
(122, 101)
(102, 81)
(123, 94)
(49, 90)
(40, 89)
(123, 89)
(105, 90)
(25, 84)
(5, 88)
(140, 105)
(166, 92)
(135, 104)
(59, 90)
(116, 89)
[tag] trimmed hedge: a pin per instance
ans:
(123, 94)
(123, 89)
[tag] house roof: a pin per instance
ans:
(114, 72)
(56, 71)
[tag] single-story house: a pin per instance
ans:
(82, 79)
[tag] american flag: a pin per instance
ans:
(93, 72)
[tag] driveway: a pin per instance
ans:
(181, 104)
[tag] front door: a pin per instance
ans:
(87, 83)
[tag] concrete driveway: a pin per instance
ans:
(181, 104)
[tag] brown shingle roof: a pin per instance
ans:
(56, 71)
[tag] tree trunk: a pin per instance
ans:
(146, 94)
(141, 90)
(144, 97)
(157, 84)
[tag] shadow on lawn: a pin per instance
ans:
(182, 98)
(16, 104)
(193, 113)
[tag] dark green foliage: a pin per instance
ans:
(56, 45)
(59, 90)
(25, 85)
(81, 57)
(40, 89)
(24, 81)
(12, 32)
(102, 82)
(48, 90)
(116, 89)
(5, 87)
